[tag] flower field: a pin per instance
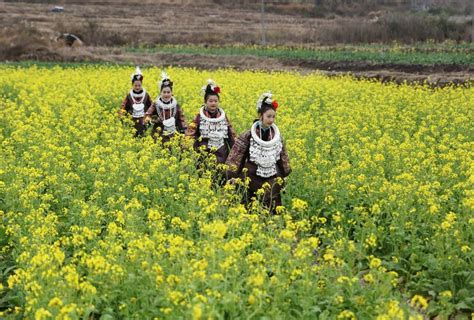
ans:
(95, 224)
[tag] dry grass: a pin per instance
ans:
(404, 28)
(23, 41)
(115, 23)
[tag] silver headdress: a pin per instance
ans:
(264, 98)
(213, 86)
(165, 80)
(137, 75)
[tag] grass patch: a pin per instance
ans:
(423, 54)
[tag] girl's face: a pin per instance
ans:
(166, 94)
(268, 117)
(137, 85)
(212, 103)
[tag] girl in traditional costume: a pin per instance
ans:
(166, 113)
(136, 103)
(211, 128)
(262, 153)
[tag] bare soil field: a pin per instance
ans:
(120, 22)
(28, 31)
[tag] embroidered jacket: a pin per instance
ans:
(262, 158)
(137, 106)
(165, 115)
(212, 131)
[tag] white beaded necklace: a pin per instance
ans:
(135, 96)
(265, 154)
(138, 107)
(170, 123)
(214, 129)
(171, 104)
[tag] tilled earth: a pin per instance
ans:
(182, 22)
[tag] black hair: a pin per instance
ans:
(137, 77)
(266, 105)
(210, 92)
(166, 83)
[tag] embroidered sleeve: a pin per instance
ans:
(148, 102)
(151, 109)
(180, 119)
(231, 133)
(126, 105)
(193, 128)
(238, 154)
(284, 162)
